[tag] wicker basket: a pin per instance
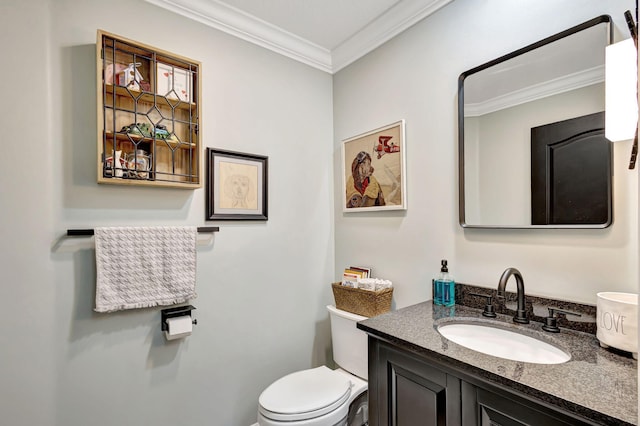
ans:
(362, 302)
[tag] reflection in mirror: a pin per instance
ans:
(537, 113)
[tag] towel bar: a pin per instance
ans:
(90, 232)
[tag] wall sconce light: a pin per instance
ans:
(621, 99)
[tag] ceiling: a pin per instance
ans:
(325, 34)
(325, 23)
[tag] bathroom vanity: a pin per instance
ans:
(416, 376)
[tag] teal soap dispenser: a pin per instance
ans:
(444, 287)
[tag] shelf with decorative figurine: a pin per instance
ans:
(148, 115)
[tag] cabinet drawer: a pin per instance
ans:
(482, 407)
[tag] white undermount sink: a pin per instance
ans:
(503, 343)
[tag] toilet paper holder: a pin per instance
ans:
(179, 311)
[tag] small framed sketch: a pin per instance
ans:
(236, 186)
(373, 176)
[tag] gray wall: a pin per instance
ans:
(414, 77)
(262, 287)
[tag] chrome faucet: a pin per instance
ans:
(521, 313)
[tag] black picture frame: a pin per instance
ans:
(236, 185)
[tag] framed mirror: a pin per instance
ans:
(532, 151)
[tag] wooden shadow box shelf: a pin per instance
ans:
(148, 115)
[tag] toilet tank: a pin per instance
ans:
(349, 343)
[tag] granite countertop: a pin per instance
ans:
(596, 383)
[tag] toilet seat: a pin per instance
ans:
(305, 395)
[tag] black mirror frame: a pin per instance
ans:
(461, 199)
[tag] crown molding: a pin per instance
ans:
(397, 19)
(537, 91)
(247, 27)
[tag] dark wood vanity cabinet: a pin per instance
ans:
(406, 389)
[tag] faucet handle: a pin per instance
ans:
(551, 322)
(489, 310)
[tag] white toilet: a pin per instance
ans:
(321, 396)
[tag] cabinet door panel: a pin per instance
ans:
(416, 401)
(495, 410)
(408, 392)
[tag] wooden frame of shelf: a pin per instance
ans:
(133, 138)
(149, 97)
(157, 94)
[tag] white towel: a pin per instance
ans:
(139, 267)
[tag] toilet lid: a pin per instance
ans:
(305, 395)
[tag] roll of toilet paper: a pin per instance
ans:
(178, 327)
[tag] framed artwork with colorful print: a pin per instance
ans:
(373, 176)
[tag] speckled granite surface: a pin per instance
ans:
(596, 383)
(537, 307)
